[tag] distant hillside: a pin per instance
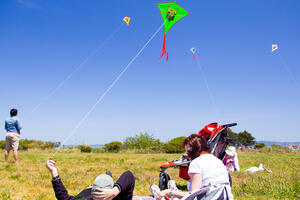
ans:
(269, 143)
(93, 146)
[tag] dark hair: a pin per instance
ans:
(13, 112)
(198, 144)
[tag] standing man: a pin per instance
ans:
(12, 127)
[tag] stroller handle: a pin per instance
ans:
(230, 125)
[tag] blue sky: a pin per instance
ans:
(43, 41)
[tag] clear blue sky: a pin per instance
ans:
(42, 41)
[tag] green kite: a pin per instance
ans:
(171, 13)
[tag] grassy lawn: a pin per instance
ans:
(31, 180)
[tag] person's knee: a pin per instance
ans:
(130, 173)
(130, 176)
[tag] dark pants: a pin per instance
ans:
(126, 184)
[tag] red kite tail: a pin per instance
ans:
(164, 50)
(194, 57)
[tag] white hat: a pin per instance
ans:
(232, 148)
(230, 152)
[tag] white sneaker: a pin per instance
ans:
(172, 185)
(154, 189)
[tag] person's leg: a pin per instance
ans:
(16, 155)
(154, 189)
(126, 184)
(6, 153)
(15, 146)
(7, 148)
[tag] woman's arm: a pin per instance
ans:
(18, 126)
(177, 193)
(123, 188)
(106, 194)
(60, 191)
(196, 179)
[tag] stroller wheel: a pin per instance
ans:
(163, 181)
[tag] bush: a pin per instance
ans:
(23, 145)
(276, 146)
(279, 149)
(113, 147)
(144, 142)
(98, 150)
(32, 144)
(85, 148)
(259, 145)
(175, 145)
(2, 144)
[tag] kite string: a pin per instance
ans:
(292, 77)
(108, 89)
(212, 99)
(93, 53)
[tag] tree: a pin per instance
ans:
(113, 146)
(85, 148)
(242, 138)
(143, 141)
(234, 138)
(246, 138)
(175, 145)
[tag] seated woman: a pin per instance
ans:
(205, 170)
(103, 188)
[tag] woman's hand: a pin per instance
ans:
(105, 194)
(50, 165)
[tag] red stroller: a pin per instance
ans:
(217, 138)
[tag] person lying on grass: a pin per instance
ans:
(205, 170)
(102, 189)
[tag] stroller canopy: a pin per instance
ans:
(210, 131)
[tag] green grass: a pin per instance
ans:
(31, 180)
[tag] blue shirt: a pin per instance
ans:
(12, 125)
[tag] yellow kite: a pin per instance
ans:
(126, 20)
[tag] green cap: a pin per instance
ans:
(103, 181)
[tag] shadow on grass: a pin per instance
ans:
(182, 187)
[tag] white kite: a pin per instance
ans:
(193, 50)
(274, 47)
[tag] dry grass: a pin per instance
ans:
(31, 180)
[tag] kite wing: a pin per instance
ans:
(126, 20)
(171, 13)
(274, 47)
